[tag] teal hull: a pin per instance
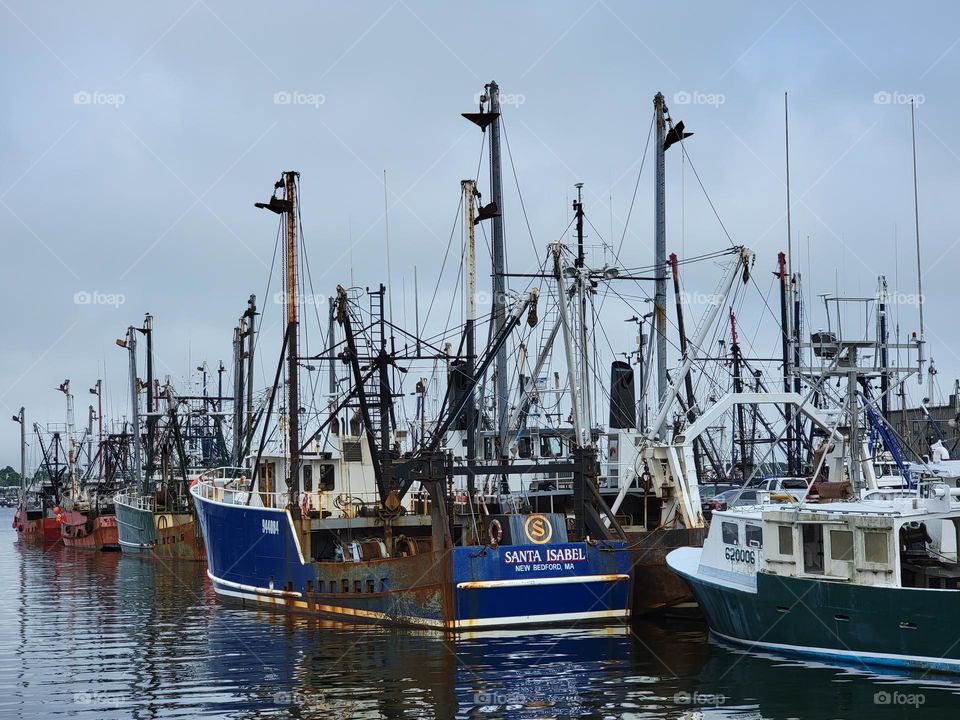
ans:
(163, 535)
(898, 627)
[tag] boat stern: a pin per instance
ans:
(560, 583)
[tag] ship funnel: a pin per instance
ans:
(623, 401)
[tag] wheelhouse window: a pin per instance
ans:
(754, 536)
(785, 539)
(267, 482)
(488, 449)
(813, 549)
(551, 447)
(731, 533)
(524, 448)
(841, 545)
(876, 547)
(326, 477)
(308, 478)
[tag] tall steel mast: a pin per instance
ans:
(130, 343)
(287, 206)
(293, 391)
(470, 328)
(664, 139)
(21, 418)
(583, 280)
(499, 261)
(660, 244)
(490, 116)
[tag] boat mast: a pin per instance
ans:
(470, 330)
(660, 244)
(884, 354)
(238, 380)
(287, 207)
(581, 433)
(147, 330)
(490, 116)
(499, 263)
(582, 283)
(665, 138)
(331, 343)
(785, 274)
(21, 418)
(131, 346)
(781, 275)
(738, 388)
(250, 316)
(293, 394)
(98, 391)
(71, 450)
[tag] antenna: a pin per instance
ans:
(386, 232)
(916, 221)
(786, 143)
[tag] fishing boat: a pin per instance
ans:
(34, 520)
(89, 528)
(530, 430)
(87, 478)
(155, 514)
(861, 567)
(157, 525)
(863, 582)
(343, 533)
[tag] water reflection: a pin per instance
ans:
(95, 635)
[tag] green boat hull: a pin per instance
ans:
(158, 534)
(901, 627)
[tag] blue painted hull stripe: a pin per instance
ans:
(914, 661)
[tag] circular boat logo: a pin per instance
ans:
(537, 529)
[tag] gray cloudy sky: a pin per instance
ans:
(134, 140)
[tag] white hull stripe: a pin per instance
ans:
(253, 588)
(527, 582)
(141, 546)
(888, 658)
(457, 624)
(540, 619)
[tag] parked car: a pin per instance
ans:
(710, 491)
(737, 497)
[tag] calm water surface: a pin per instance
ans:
(102, 635)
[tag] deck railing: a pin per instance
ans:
(135, 500)
(233, 486)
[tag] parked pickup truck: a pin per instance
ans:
(795, 486)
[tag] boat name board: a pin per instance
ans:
(543, 559)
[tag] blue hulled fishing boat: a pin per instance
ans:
(361, 521)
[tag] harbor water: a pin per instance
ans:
(104, 635)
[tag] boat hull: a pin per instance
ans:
(38, 529)
(77, 530)
(255, 555)
(165, 535)
(655, 587)
(900, 627)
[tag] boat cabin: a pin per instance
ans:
(901, 542)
